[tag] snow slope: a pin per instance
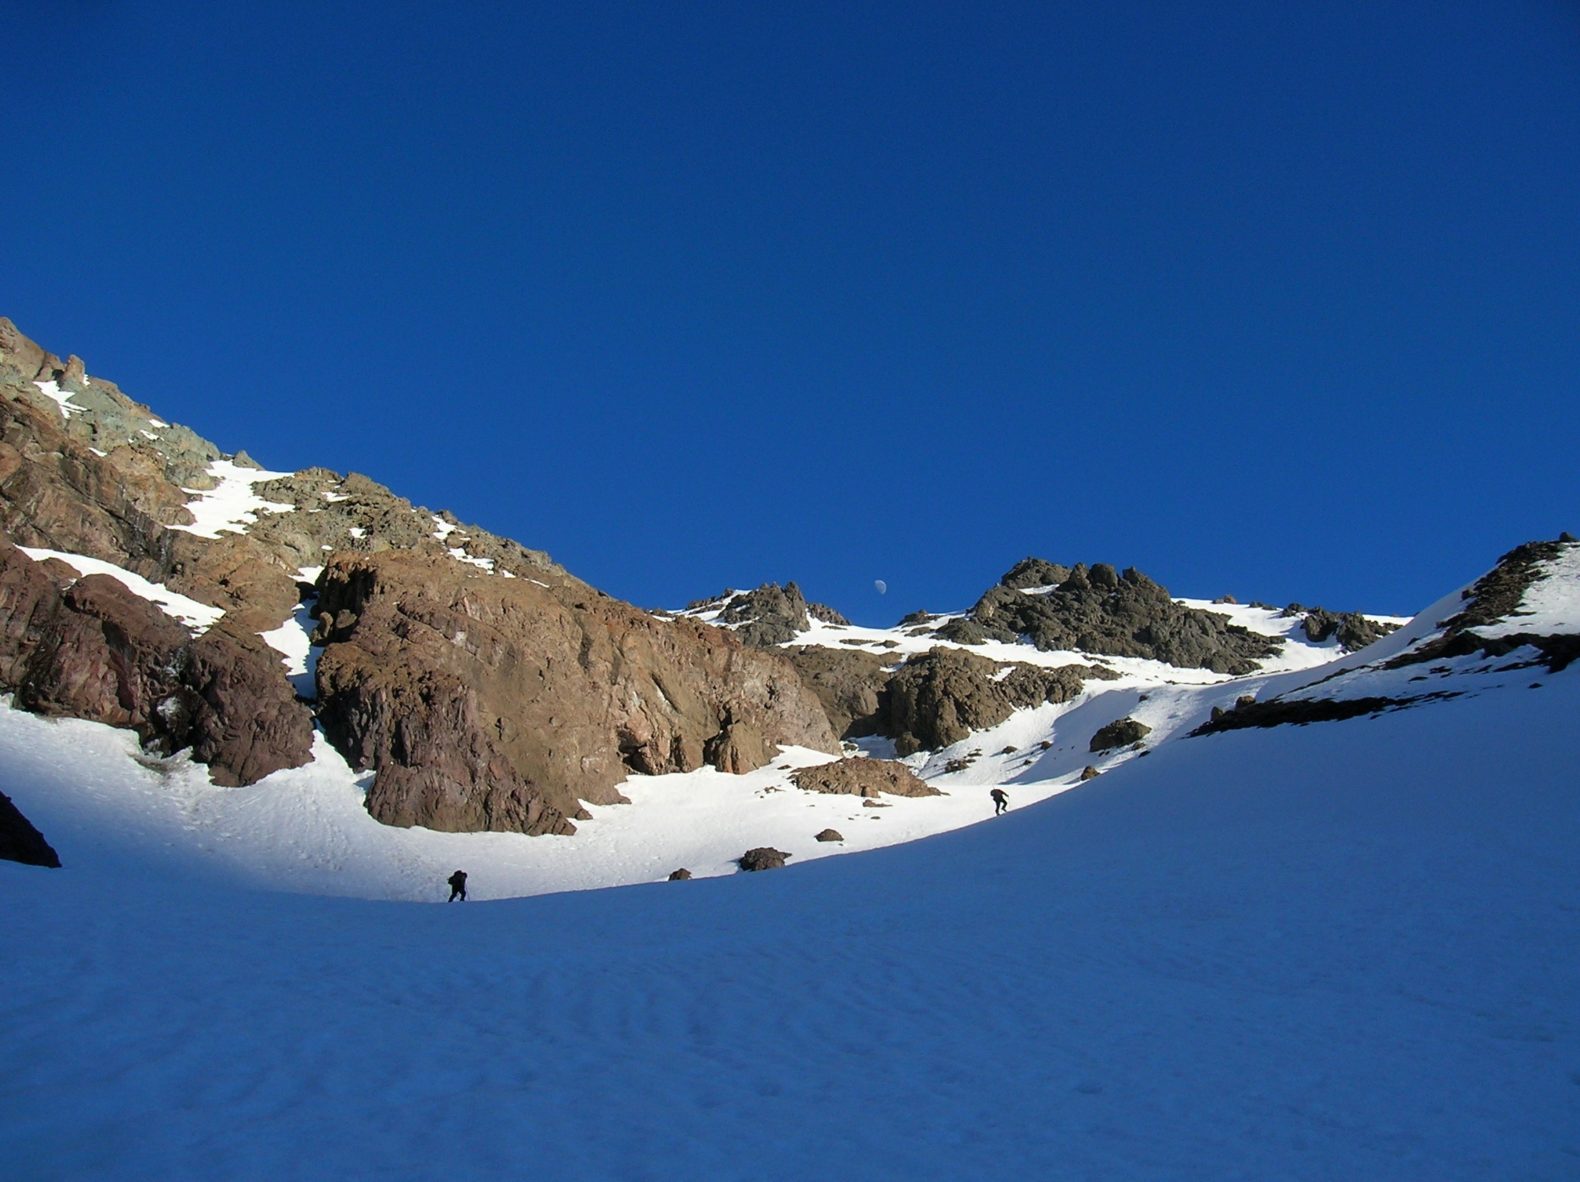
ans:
(1343, 950)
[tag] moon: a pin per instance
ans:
(880, 586)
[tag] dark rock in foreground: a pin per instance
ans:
(20, 841)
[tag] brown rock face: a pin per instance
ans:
(863, 777)
(91, 649)
(491, 703)
(847, 682)
(942, 696)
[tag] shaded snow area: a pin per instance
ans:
(231, 505)
(1336, 951)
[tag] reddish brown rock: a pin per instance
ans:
(92, 649)
(485, 702)
(857, 776)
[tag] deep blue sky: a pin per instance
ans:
(1269, 299)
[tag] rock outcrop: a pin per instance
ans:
(943, 695)
(89, 648)
(1495, 598)
(1120, 733)
(768, 616)
(492, 703)
(486, 687)
(858, 776)
(1102, 611)
(848, 682)
(1351, 630)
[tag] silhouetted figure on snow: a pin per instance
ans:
(1000, 800)
(457, 883)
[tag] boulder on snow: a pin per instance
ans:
(1120, 733)
(762, 858)
(679, 875)
(830, 835)
(859, 776)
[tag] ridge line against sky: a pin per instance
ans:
(1270, 303)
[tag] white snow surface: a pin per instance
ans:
(51, 389)
(1342, 950)
(231, 505)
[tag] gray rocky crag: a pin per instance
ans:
(1101, 611)
(1352, 630)
(770, 615)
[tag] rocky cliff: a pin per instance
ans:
(485, 686)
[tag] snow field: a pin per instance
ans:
(1264, 954)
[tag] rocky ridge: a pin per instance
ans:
(485, 686)
(1105, 612)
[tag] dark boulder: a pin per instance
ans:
(21, 842)
(680, 875)
(1121, 733)
(859, 776)
(762, 858)
(829, 835)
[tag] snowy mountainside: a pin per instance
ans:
(307, 829)
(1348, 949)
